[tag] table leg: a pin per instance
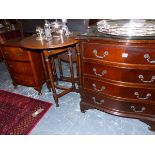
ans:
(54, 69)
(46, 73)
(71, 67)
(50, 72)
(60, 68)
(78, 67)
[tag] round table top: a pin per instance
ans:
(56, 42)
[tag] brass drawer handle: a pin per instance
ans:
(19, 54)
(147, 57)
(141, 77)
(134, 109)
(99, 90)
(96, 102)
(145, 98)
(100, 57)
(102, 73)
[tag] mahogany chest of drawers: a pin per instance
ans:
(25, 67)
(118, 77)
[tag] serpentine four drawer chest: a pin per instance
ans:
(25, 67)
(118, 76)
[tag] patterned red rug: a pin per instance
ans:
(19, 114)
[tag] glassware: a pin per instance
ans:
(56, 28)
(65, 28)
(47, 29)
(40, 33)
(7, 24)
(60, 28)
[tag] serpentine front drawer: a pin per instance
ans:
(117, 53)
(24, 80)
(143, 76)
(117, 107)
(23, 68)
(15, 53)
(120, 91)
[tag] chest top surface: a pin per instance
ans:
(93, 34)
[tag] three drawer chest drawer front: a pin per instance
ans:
(139, 76)
(23, 68)
(15, 53)
(121, 54)
(119, 91)
(24, 80)
(101, 101)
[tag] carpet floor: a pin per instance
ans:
(19, 114)
(68, 120)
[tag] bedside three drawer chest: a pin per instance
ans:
(25, 66)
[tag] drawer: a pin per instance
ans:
(121, 91)
(15, 53)
(102, 102)
(117, 53)
(24, 80)
(143, 76)
(20, 67)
